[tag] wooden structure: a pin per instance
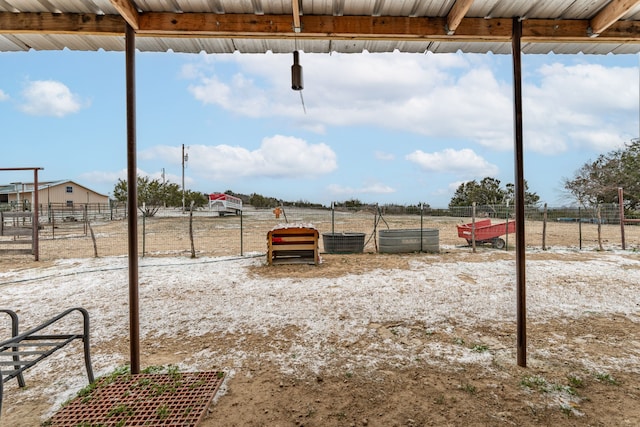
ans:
(293, 244)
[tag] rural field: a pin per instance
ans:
(360, 340)
(169, 232)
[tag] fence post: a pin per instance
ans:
(599, 219)
(241, 235)
(333, 218)
(621, 203)
(93, 239)
(506, 228)
(473, 227)
(193, 248)
(544, 228)
(85, 213)
(144, 231)
(580, 226)
(375, 227)
(421, 225)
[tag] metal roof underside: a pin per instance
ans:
(322, 26)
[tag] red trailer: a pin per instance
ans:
(487, 232)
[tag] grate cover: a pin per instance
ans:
(173, 399)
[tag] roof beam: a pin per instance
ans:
(457, 12)
(316, 27)
(296, 16)
(61, 23)
(376, 28)
(128, 11)
(609, 15)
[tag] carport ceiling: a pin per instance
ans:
(322, 26)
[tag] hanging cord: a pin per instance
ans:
(302, 100)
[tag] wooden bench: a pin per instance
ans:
(24, 350)
(293, 245)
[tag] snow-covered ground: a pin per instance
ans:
(182, 297)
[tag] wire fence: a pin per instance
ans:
(103, 230)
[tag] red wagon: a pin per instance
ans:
(487, 232)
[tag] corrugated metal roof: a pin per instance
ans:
(159, 39)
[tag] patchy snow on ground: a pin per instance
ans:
(182, 297)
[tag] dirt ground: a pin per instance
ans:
(554, 389)
(550, 391)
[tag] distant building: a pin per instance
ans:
(64, 192)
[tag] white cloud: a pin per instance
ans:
(49, 98)
(445, 96)
(371, 188)
(418, 93)
(277, 157)
(584, 106)
(600, 140)
(3, 96)
(102, 177)
(463, 162)
(381, 155)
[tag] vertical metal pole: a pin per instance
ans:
(473, 226)
(544, 229)
(521, 309)
(132, 197)
(241, 236)
(421, 225)
(333, 217)
(36, 220)
(580, 226)
(182, 178)
(144, 231)
(506, 229)
(621, 203)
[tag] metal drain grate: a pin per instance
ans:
(178, 399)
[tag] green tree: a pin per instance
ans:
(598, 181)
(199, 199)
(488, 192)
(260, 201)
(530, 198)
(173, 195)
(485, 192)
(152, 194)
(353, 204)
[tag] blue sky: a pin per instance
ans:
(382, 128)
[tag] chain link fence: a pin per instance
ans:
(90, 231)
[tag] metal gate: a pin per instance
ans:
(16, 232)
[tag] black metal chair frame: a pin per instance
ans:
(25, 350)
